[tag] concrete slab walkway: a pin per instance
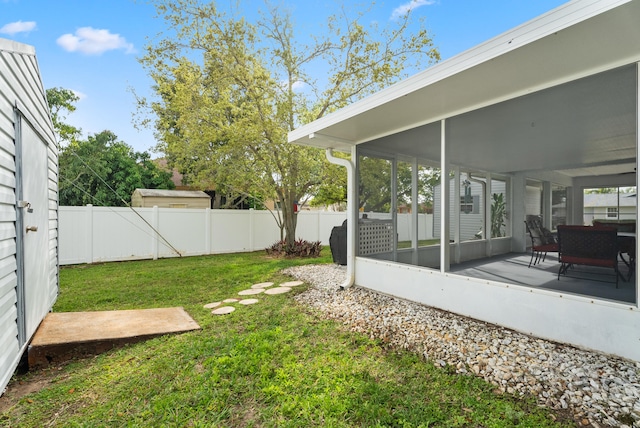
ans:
(65, 334)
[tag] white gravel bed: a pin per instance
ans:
(599, 389)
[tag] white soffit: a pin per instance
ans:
(577, 39)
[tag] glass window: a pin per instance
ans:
(500, 225)
(428, 179)
(376, 233)
(609, 203)
(404, 204)
(558, 206)
(471, 220)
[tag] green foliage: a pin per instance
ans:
(375, 179)
(300, 248)
(104, 171)
(227, 95)
(273, 364)
(498, 214)
(62, 101)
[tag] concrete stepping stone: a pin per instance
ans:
(291, 284)
(223, 310)
(277, 290)
(248, 301)
(251, 291)
(230, 300)
(262, 285)
(212, 305)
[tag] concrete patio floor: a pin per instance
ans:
(66, 334)
(582, 280)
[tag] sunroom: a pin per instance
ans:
(446, 166)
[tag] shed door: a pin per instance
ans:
(34, 224)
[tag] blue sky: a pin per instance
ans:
(92, 46)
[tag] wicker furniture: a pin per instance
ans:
(588, 246)
(542, 240)
(626, 240)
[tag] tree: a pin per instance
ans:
(104, 171)
(228, 93)
(62, 101)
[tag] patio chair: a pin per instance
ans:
(626, 244)
(542, 240)
(588, 246)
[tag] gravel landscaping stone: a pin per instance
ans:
(599, 389)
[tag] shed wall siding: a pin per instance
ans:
(151, 201)
(21, 86)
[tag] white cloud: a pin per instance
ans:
(18, 27)
(298, 85)
(81, 95)
(92, 41)
(411, 5)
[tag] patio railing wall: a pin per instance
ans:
(91, 234)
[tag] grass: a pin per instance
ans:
(273, 364)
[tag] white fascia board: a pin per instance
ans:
(7, 45)
(547, 24)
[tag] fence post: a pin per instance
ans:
(207, 230)
(89, 240)
(155, 220)
(251, 229)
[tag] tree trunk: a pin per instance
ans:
(290, 218)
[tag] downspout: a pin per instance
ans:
(352, 220)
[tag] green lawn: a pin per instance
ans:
(272, 364)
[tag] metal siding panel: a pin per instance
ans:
(20, 84)
(7, 231)
(8, 267)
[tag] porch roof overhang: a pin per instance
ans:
(579, 39)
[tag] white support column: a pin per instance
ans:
(637, 187)
(518, 210)
(394, 206)
(487, 214)
(444, 201)
(456, 213)
(415, 238)
(546, 204)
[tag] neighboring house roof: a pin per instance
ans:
(161, 193)
(176, 177)
(609, 200)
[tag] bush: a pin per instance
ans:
(299, 248)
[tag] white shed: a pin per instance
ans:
(28, 204)
(170, 198)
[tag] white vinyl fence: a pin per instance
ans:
(98, 234)
(91, 234)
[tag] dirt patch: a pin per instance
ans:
(23, 385)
